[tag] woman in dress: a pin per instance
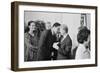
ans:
(30, 42)
(83, 38)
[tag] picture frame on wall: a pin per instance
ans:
(52, 36)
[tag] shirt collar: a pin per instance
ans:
(65, 36)
(81, 45)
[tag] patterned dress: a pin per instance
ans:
(30, 47)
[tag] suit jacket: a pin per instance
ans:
(64, 52)
(45, 45)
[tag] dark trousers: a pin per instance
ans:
(54, 56)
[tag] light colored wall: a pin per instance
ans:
(73, 23)
(45, 16)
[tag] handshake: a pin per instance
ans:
(56, 45)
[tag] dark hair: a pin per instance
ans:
(29, 23)
(83, 35)
(27, 27)
(40, 27)
(56, 24)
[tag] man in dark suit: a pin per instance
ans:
(65, 45)
(48, 37)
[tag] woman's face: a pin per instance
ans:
(32, 26)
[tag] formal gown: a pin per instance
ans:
(82, 52)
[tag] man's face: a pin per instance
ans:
(57, 29)
(62, 31)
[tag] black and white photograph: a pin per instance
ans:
(56, 36)
(53, 36)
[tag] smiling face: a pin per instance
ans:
(32, 26)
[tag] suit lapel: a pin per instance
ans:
(64, 40)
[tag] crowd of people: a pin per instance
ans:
(41, 44)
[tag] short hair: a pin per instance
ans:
(29, 23)
(65, 27)
(83, 35)
(56, 24)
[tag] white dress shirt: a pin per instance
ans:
(82, 52)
